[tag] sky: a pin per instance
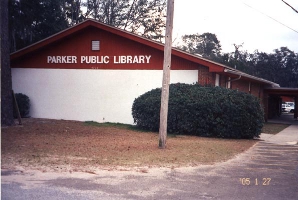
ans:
(240, 22)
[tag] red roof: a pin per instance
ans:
(213, 66)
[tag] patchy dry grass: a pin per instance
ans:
(77, 145)
(272, 128)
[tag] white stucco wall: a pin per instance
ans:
(97, 95)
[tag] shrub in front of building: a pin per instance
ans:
(23, 105)
(202, 111)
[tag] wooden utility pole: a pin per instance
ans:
(166, 76)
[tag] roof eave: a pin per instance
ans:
(237, 72)
(213, 66)
(89, 22)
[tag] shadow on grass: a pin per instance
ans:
(123, 126)
(116, 125)
(273, 128)
(269, 128)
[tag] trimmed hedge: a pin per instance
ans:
(202, 111)
(23, 104)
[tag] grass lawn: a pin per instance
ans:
(272, 128)
(64, 145)
(71, 145)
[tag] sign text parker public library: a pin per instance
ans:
(138, 59)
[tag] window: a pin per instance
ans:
(95, 45)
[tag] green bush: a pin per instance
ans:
(23, 104)
(202, 111)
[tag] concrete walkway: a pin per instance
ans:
(288, 136)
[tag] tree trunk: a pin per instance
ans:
(6, 84)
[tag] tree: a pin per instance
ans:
(112, 12)
(146, 18)
(238, 59)
(143, 17)
(6, 85)
(280, 67)
(206, 45)
(73, 12)
(31, 21)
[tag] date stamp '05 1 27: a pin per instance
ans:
(255, 181)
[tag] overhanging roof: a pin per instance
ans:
(247, 76)
(213, 66)
(282, 91)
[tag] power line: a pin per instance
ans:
(270, 17)
(290, 6)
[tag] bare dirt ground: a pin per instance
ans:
(59, 145)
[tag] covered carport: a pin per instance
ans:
(273, 101)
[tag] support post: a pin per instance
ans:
(166, 76)
(296, 108)
(265, 103)
(17, 108)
